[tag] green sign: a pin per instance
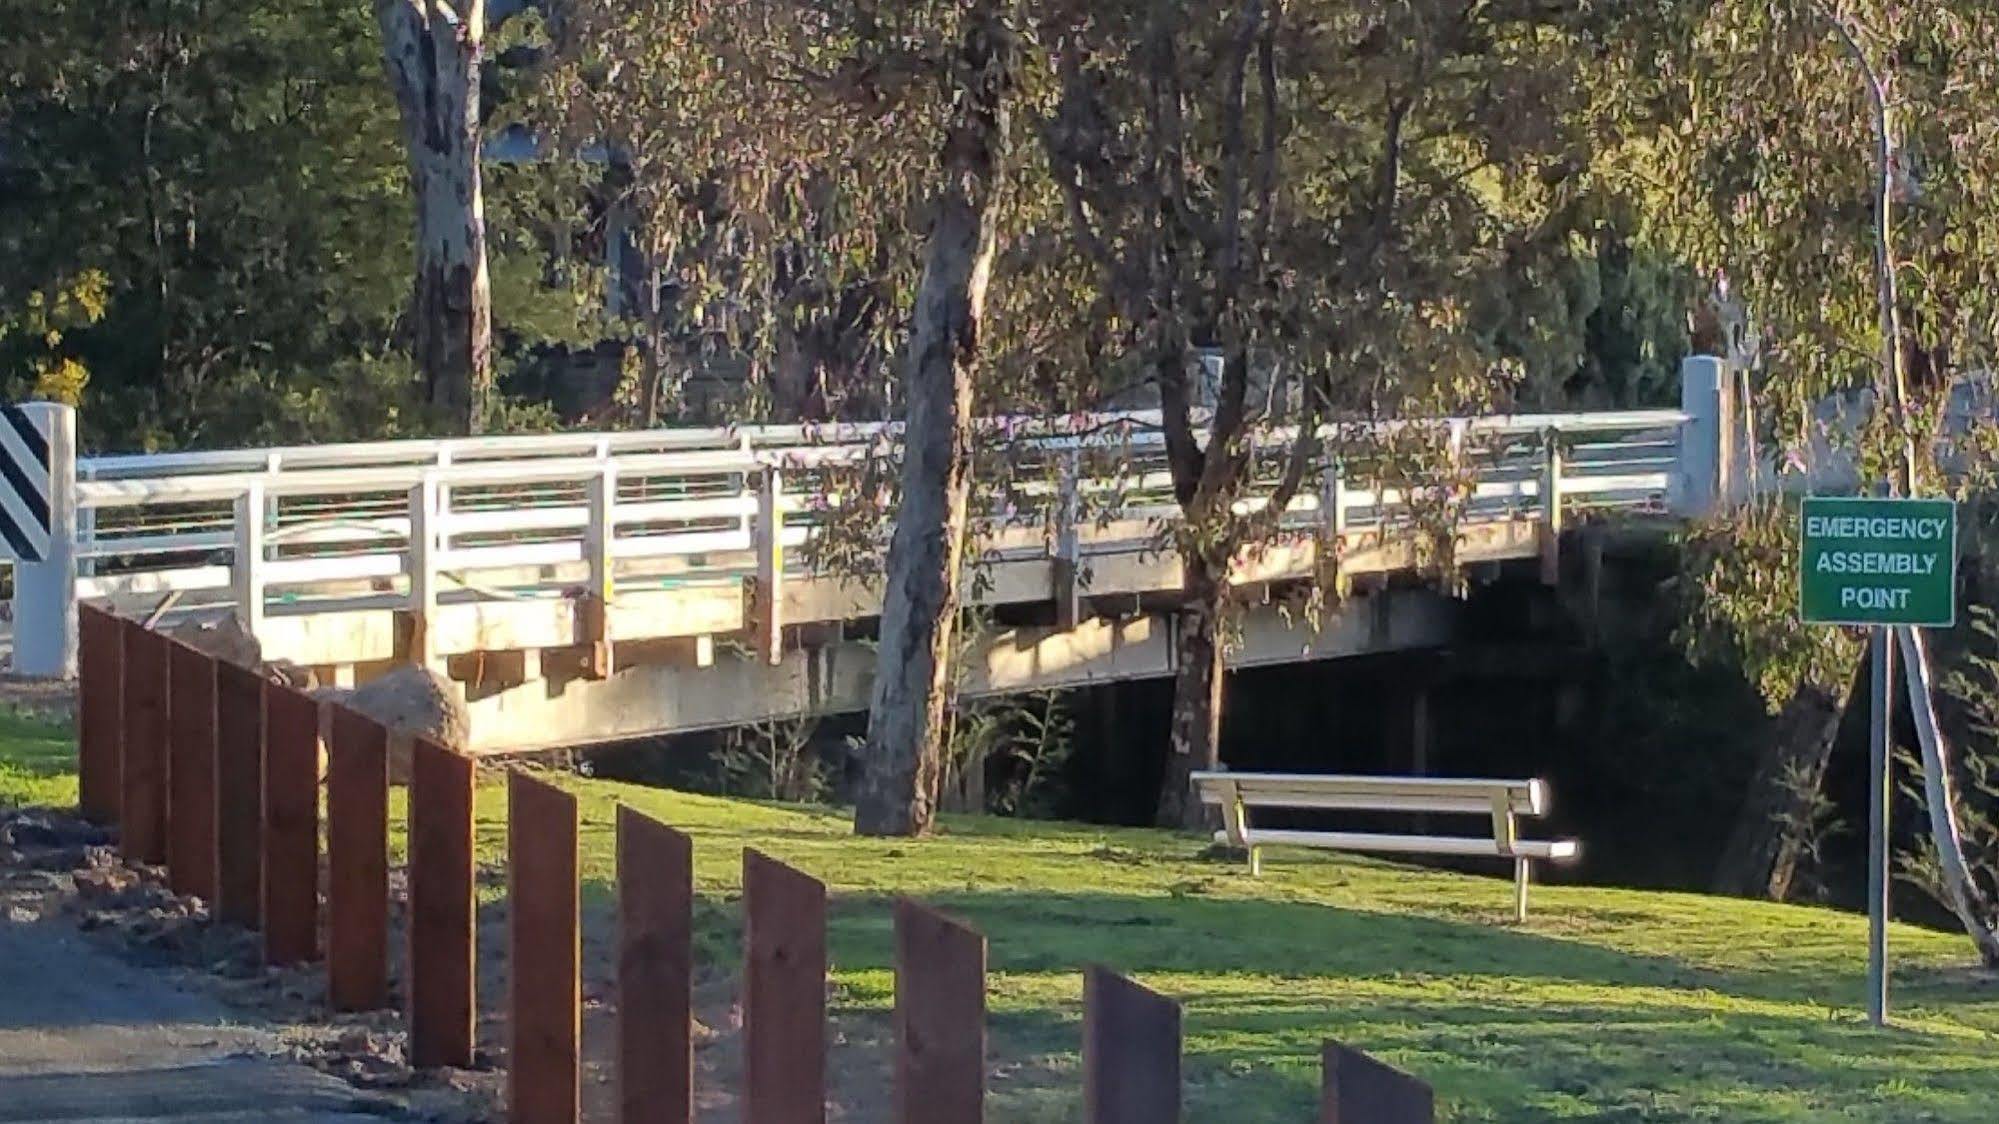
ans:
(1879, 561)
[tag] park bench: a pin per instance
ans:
(1498, 802)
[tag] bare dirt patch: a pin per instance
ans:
(57, 868)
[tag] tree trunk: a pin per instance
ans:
(433, 58)
(1967, 901)
(1195, 741)
(1762, 854)
(897, 794)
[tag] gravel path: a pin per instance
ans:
(85, 1036)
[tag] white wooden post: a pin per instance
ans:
(1706, 441)
(45, 591)
(1067, 568)
(1333, 529)
(599, 536)
(421, 565)
(246, 570)
(1551, 509)
(767, 608)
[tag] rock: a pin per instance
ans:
(222, 638)
(412, 702)
(30, 830)
(108, 882)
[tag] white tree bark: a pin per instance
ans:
(1940, 794)
(920, 606)
(433, 51)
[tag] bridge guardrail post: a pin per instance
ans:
(421, 566)
(1706, 444)
(45, 636)
(1068, 543)
(1333, 528)
(246, 571)
(767, 606)
(1551, 508)
(599, 537)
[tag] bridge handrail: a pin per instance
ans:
(448, 453)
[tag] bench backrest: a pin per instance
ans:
(1337, 792)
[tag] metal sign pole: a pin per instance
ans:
(1882, 659)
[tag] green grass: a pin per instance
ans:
(1608, 1005)
(37, 763)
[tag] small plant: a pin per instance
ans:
(1807, 822)
(1044, 737)
(773, 760)
(1004, 755)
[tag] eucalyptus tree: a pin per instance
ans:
(1315, 193)
(1835, 162)
(775, 148)
(434, 52)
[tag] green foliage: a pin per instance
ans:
(231, 173)
(1743, 567)
(773, 760)
(1005, 754)
(205, 225)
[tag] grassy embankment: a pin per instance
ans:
(1607, 1005)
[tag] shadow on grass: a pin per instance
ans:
(1509, 1025)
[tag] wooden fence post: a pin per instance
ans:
(291, 825)
(784, 994)
(239, 787)
(142, 811)
(1360, 1090)
(1131, 1052)
(191, 840)
(100, 717)
(544, 955)
(655, 972)
(357, 859)
(940, 1018)
(442, 913)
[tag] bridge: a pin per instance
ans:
(589, 587)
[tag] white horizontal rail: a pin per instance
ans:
(522, 513)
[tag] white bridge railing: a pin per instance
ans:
(587, 517)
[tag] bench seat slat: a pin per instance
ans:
(1480, 805)
(1363, 841)
(1354, 792)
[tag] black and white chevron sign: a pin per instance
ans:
(24, 485)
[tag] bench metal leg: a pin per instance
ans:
(1256, 862)
(1521, 870)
